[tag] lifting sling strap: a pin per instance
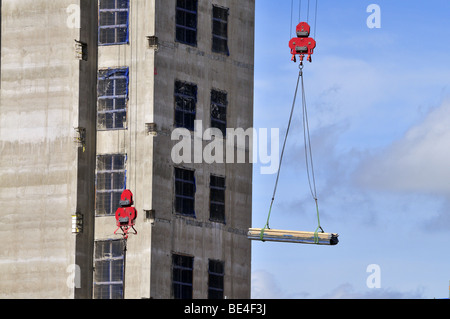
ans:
(308, 156)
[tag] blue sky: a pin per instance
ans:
(379, 111)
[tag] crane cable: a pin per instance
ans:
(307, 14)
(307, 145)
(308, 157)
(266, 226)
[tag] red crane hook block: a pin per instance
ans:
(126, 214)
(302, 45)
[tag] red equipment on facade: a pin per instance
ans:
(302, 45)
(126, 214)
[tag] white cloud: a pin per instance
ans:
(440, 220)
(265, 286)
(346, 291)
(419, 161)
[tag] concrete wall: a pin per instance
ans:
(44, 178)
(199, 237)
(134, 142)
(148, 271)
(87, 116)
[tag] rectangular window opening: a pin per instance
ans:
(110, 183)
(219, 104)
(185, 192)
(185, 104)
(216, 272)
(220, 30)
(112, 99)
(109, 261)
(186, 21)
(113, 22)
(182, 273)
(217, 198)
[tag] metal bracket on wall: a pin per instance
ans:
(150, 215)
(153, 42)
(151, 129)
(81, 52)
(80, 137)
(77, 223)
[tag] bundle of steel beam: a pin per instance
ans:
(291, 236)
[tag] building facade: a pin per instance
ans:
(92, 94)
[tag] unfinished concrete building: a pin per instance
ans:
(91, 92)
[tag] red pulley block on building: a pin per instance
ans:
(302, 45)
(126, 214)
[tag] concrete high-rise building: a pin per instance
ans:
(91, 94)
